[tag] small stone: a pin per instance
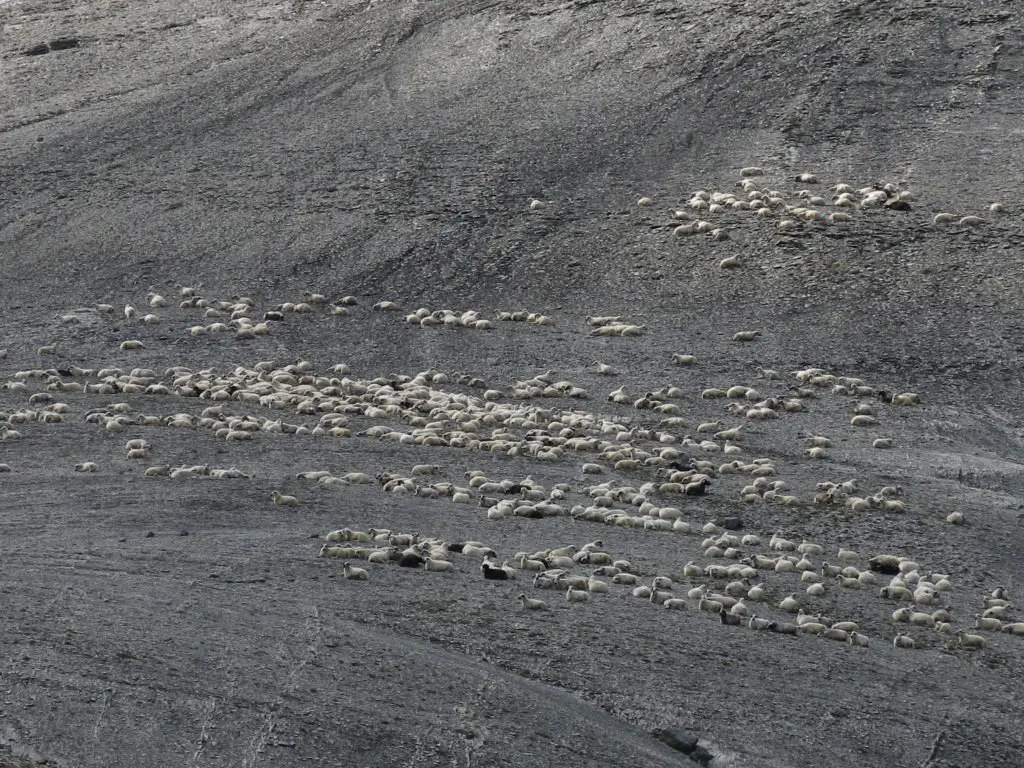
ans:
(150, 534)
(731, 523)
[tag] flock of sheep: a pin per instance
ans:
(660, 461)
(792, 209)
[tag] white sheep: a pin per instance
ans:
(532, 604)
(440, 566)
(966, 640)
(745, 335)
(989, 623)
(790, 604)
(576, 595)
(356, 574)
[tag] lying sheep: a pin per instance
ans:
(532, 604)
(355, 574)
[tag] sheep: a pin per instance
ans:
(492, 573)
(790, 604)
(729, 618)
(1016, 628)
(576, 595)
(85, 466)
(943, 218)
(441, 566)
(285, 501)
(710, 606)
(906, 398)
(882, 442)
(896, 593)
(355, 574)
(809, 627)
(848, 583)
(379, 556)
(856, 638)
(674, 604)
(970, 641)
(756, 623)
(745, 335)
(989, 623)
(955, 518)
(751, 171)
(131, 344)
(681, 359)
(888, 564)
(919, 619)
(903, 641)
(532, 604)
(971, 221)
(863, 420)
(783, 628)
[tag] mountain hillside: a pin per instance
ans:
(679, 165)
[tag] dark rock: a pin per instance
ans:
(150, 534)
(733, 523)
(701, 756)
(676, 738)
(63, 43)
(38, 50)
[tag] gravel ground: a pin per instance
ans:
(389, 151)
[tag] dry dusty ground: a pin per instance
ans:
(388, 150)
